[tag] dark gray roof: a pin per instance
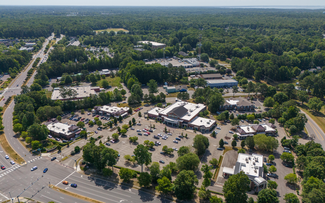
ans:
(216, 75)
(244, 102)
(179, 111)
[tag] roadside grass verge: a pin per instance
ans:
(88, 199)
(318, 118)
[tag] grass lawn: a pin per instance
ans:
(114, 82)
(317, 117)
(172, 94)
(112, 29)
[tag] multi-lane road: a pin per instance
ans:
(315, 131)
(17, 179)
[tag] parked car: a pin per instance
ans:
(265, 160)
(268, 164)
(108, 144)
(220, 148)
(50, 136)
(162, 152)
(286, 148)
(138, 130)
(225, 142)
(175, 141)
(138, 123)
(272, 175)
(156, 137)
(74, 185)
(287, 151)
(139, 133)
(161, 161)
(175, 149)
(112, 141)
(177, 138)
(132, 128)
(53, 158)
(231, 132)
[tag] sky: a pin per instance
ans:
(247, 3)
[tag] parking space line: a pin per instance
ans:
(65, 178)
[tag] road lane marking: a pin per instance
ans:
(65, 178)
(319, 135)
(51, 199)
(4, 196)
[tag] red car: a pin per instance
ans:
(3, 167)
(148, 133)
(97, 116)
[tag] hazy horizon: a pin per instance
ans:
(171, 3)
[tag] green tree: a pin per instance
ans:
(250, 142)
(107, 172)
(207, 175)
(315, 169)
(164, 185)
(243, 144)
(144, 179)
(38, 132)
(18, 128)
(264, 142)
(155, 171)
(291, 198)
(250, 117)
(234, 143)
(204, 57)
(267, 196)
(235, 121)
(142, 156)
(234, 90)
(81, 124)
(183, 150)
(291, 178)
(201, 143)
(204, 193)
(268, 102)
(221, 143)
(235, 188)
(287, 157)
(153, 86)
(68, 80)
(166, 172)
(125, 174)
(272, 169)
(184, 185)
(115, 136)
(315, 104)
(36, 144)
(104, 84)
(59, 118)
(214, 162)
(271, 157)
(215, 199)
(123, 132)
(272, 184)
(303, 96)
(188, 161)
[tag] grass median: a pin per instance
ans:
(88, 199)
(8, 149)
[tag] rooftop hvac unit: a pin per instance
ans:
(255, 171)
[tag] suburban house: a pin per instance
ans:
(62, 130)
(252, 166)
(239, 104)
(111, 111)
(183, 114)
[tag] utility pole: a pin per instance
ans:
(29, 187)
